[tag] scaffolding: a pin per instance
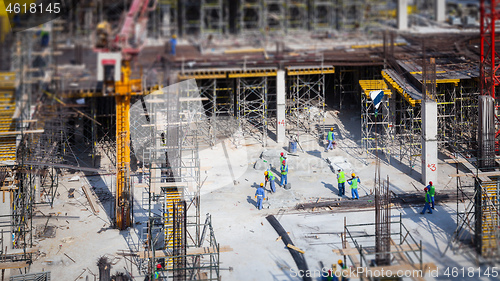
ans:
(296, 15)
(219, 107)
(305, 98)
(275, 15)
(170, 17)
(407, 119)
(478, 220)
(251, 18)
(324, 15)
(376, 124)
(192, 20)
(353, 14)
(164, 132)
(212, 17)
(251, 102)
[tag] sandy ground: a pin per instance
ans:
(231, 176)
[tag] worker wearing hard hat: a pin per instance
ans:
(260, 195)
(427, 201)
(432, 192)
(284, 173)
(282, 157)
(341, 182)
(353, 182)
(173, 44)
(331, 140)
(343, 269)
(269, 177)
(157, 272)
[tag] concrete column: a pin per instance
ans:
(440, 10)
(429, 142)
(402, 14)
(280, 106)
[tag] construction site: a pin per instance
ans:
(249, 140)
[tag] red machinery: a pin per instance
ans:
(490, 60)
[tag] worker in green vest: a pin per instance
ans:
(269, 177)
(427, 201)
(331, 140)
(432, 192)
(341, 182)
(284, 173)
(282, 157)
(354, 186)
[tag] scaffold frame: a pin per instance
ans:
(305, 100)
(252, 95)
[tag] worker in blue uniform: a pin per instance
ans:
(260, 195)
(173, 44)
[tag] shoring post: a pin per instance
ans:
(400, 229)
(420, 257)
(344, 240)
(360, 255)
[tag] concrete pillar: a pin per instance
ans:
(429, 142)
(402, 14)
(280, 106)
(440, 10)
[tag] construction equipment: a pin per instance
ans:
(128, 42)
(102, 35)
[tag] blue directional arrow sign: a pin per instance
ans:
(376, 97)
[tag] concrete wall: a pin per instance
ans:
(429, 142)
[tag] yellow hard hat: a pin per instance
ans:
(265, 173)
(331, 129)
(174, 36)
(353, 174)
(261, 184)
(340, 262)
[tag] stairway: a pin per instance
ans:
(490, 219)
(172, 233)
(7, 124)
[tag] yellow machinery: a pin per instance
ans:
(102, 35)
(124, 90)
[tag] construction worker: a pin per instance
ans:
(260, 195)
(173, 44)
(284, 173)
(432, 192)
(331, 140)
(157, 271)
(341, 182)
(343, 269)
(353, 182)
(427, 200)
(330, 276)
(282, 157)
(269, 177)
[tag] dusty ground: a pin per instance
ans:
(81, 237)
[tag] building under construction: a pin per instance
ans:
(134, 135)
